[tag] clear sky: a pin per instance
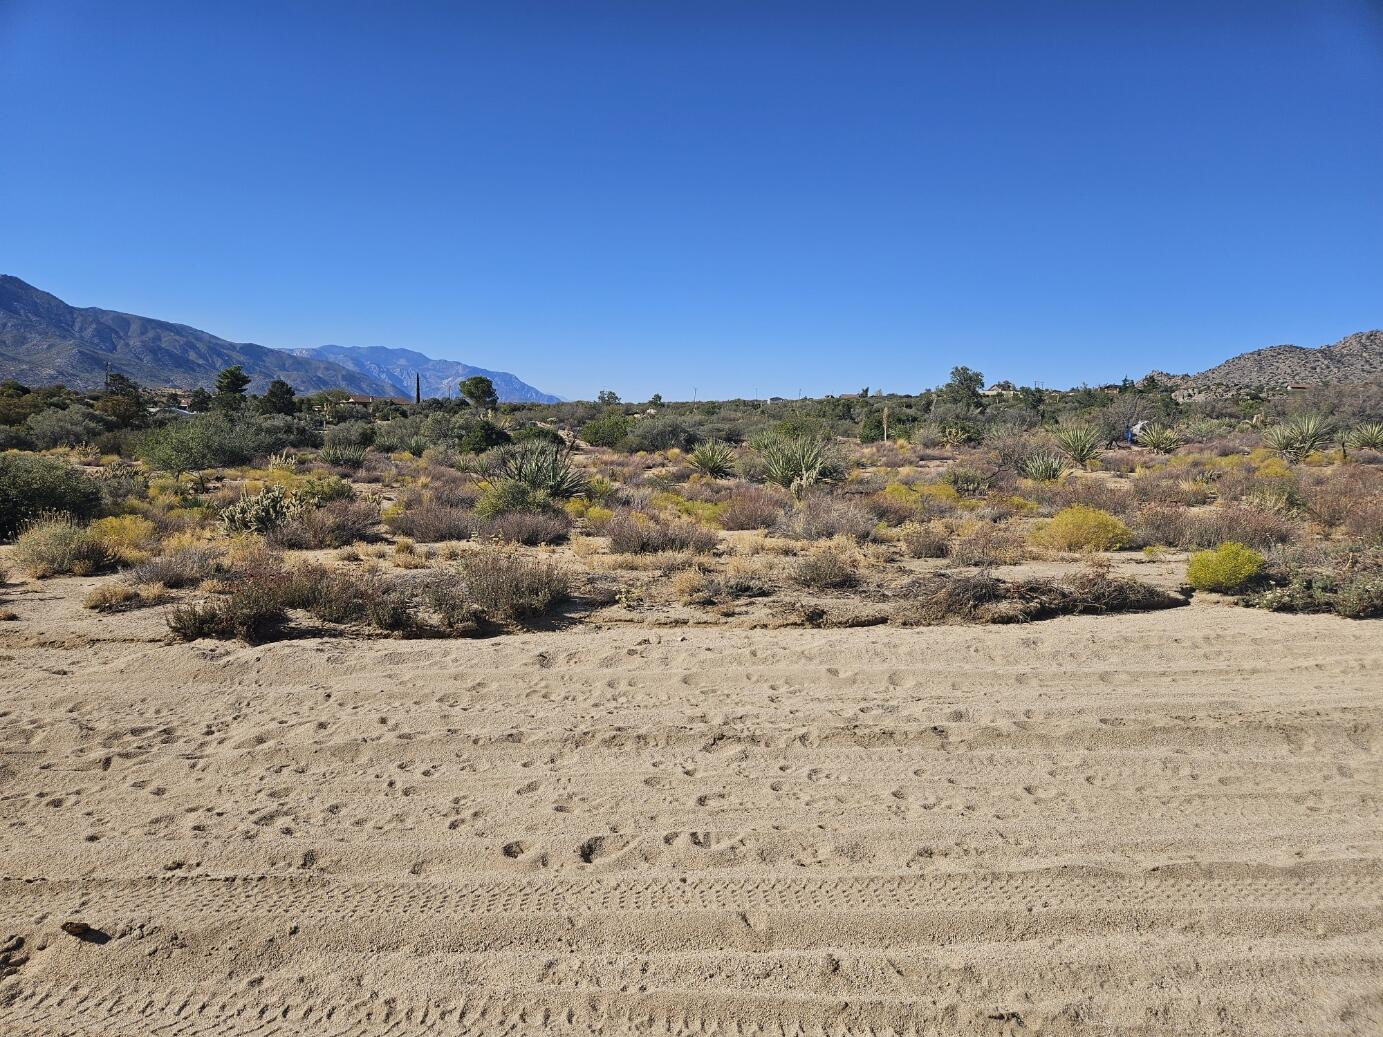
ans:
(738, 198)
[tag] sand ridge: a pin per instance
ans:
(1164, 823)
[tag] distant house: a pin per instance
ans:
(998, 389)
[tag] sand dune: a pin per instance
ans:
(1144, 824)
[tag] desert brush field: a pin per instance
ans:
(725, 719)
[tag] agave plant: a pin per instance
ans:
(1080, 442)
(713, 459)
(1043, 467)
(539, 465)
(346, 455)
(799, 462)
(1296, 438)
(1367, 436)
(1158, 438)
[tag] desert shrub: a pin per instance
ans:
(497, 585)
(1225, 569)
(825, 567)
(1079, 528)
(925, 540)
(192, 444)
(540, 466)
(338, 595)
(634, 533)
(71, 426)
(1086, 491)
(608, 430)
(1167, 524)
(507, 496)
(986, 544)
(1348, 583)
(482, 435)
(260, 512)
(126, 538)
(185, 568)
(1043, 467)
(1082, 443)
(799, 462)
(530, 528)
(57, 545)
(1255, 527)
(752, 507)
(967, 481)
(1365, 521)
(713, 459)
(31, 486)
(120, 484)
(430, 523)
(820, 516)
(344, 455)
(659, 433)
(336, 524)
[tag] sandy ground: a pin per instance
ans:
(1156, 824)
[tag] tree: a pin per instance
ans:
(278, 398)
(656, 400)
(233, 381)
(607, 397)
(480, 391)
(963, 390)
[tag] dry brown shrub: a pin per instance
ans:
(987, 544)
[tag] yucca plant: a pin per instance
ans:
(1043, 467)
(539, 466)
(799, 462)
(346, 455)
(1158, 438)
(1296, 438)
(1080, 442)
(1367, 436)
(713, 459)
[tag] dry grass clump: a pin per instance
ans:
(432, 522)
(819, 517)
(739, 580)
(336, 524)
(925, 540)
(982, 598)
(1255, 526)
(636, 533)
(126, 538)
(496, 585)
(529, 528)
(986, 544)
(183, 568)
(1080, 528)
(753, 507)
(828, 566)
(122, 597)
(59, 545)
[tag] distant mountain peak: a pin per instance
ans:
(1353, 358)
(46, 341)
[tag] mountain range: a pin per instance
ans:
(1354, 358)
(44, 341)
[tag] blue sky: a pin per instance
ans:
(727, 198)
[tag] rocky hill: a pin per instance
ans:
(44, 341)
(1354, 358)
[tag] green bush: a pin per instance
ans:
(1224, 569)
(1079, 528)
(260, 512)
(57, 545)
(608, 430)
(507, 496)
(32, 486)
